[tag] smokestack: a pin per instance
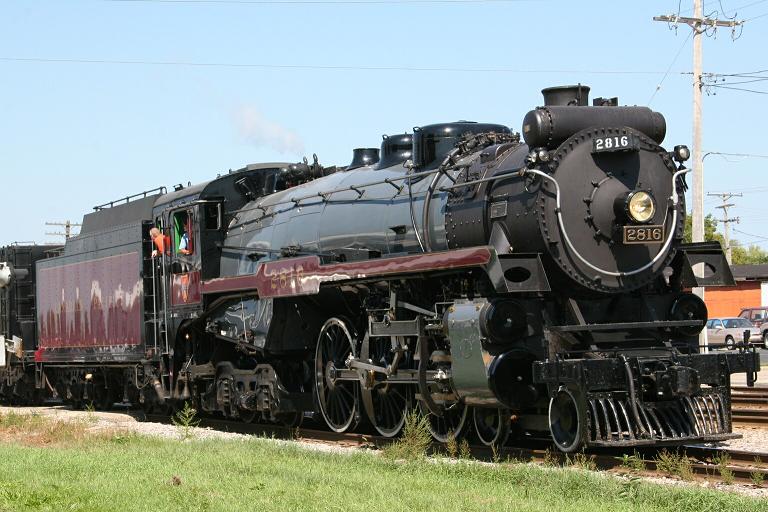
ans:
(566, 95)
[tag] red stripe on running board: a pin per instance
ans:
(303, 276)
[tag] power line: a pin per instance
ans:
(744, 155)
(317, 67)
(737, 89)
(707, 4)
(756, 17)
(319, 2)
(746, 73)
(759, 237)
(658, 87)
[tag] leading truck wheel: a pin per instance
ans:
(567, 422)
(491, 425)
(450, 425)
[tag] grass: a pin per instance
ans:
(127, 473)
(675, 465)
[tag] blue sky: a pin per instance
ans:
(293, 78)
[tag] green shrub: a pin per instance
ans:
(634, 462)
(415, 440)
(185, 421)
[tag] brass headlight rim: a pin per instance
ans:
(635, 194)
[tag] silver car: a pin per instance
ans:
(729, 331)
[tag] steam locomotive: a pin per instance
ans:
(532, 286)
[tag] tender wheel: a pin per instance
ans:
(566, 421)
(729, 343)
(390, 402)
(491, 425)
(246, 416)
(450, 425)
(338, 399)
(103, 396)
(291, 419)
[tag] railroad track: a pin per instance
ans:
(749, 406)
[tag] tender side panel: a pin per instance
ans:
(95, 303)
(91, 300)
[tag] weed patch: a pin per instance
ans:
(634, 462)
(452, 446)
(185, 421)
(415, 440)
(581, 460)
(464, 451)
(550, 458)
(674, 464)
(757, 477)
(726, 473)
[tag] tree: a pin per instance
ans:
(710, 230)
(751, 255)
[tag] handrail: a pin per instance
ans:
(111, 204)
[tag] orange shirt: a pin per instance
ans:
(161, 242)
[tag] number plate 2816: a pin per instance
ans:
(614, 143)
(643, 234)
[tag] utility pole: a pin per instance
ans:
(67, 225)
(699, 25)
(725, 197)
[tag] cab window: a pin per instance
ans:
(182, 232)
(213, 216)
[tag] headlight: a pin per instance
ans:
(641, 206)
(682, 153)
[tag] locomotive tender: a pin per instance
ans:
(535, 285)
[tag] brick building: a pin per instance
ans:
(751, 290)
